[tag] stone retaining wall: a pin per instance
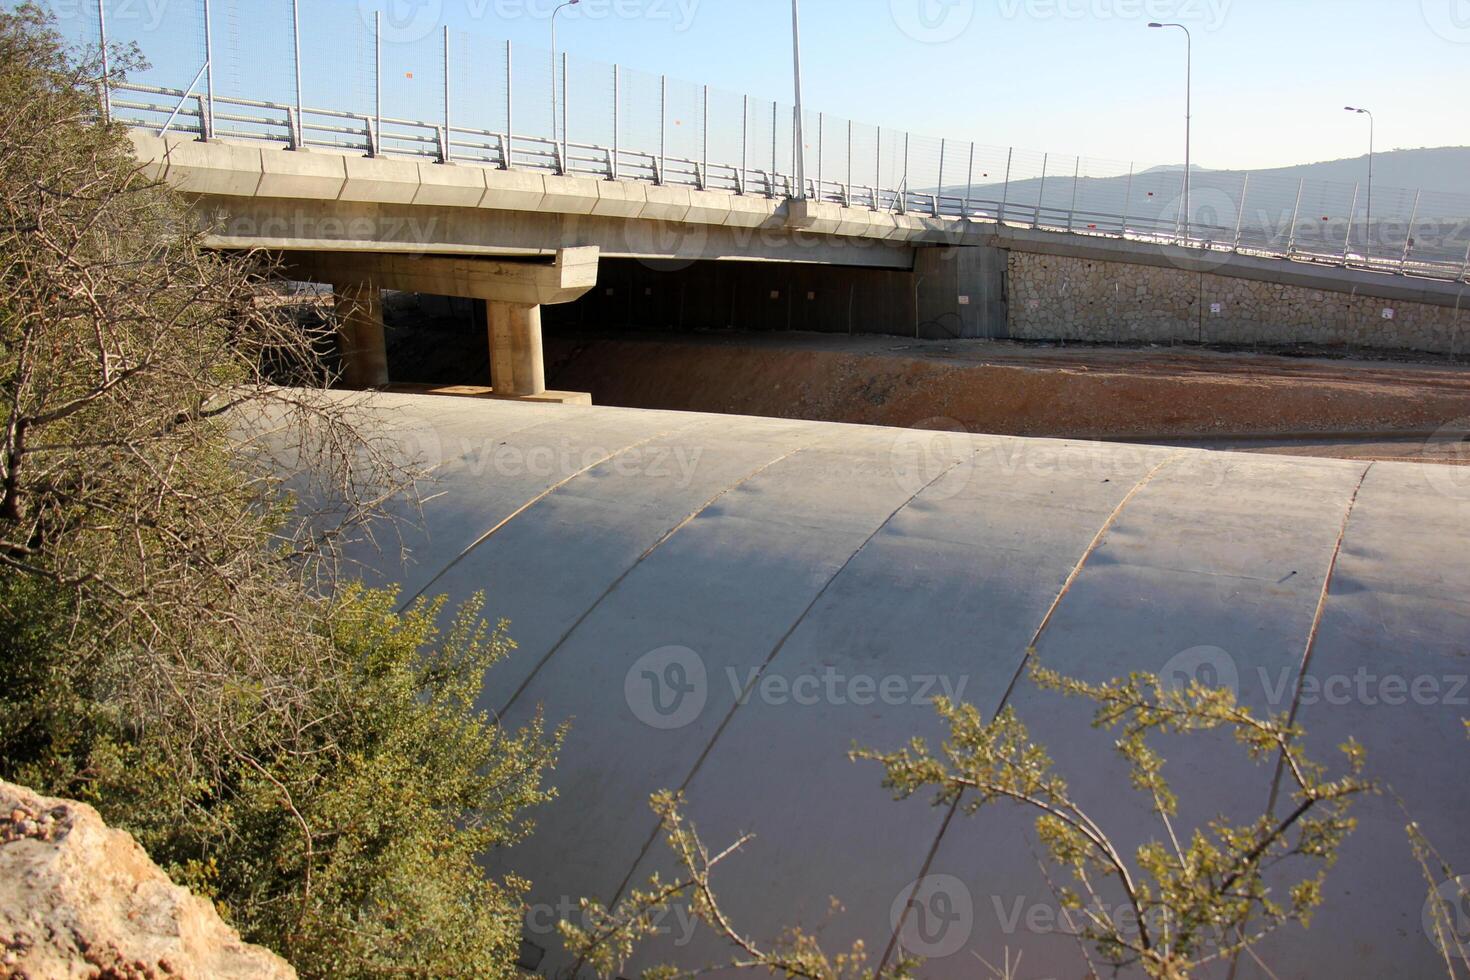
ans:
(1059, 298)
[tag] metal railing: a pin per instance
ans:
(633, 126)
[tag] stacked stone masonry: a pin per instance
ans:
(1062, 298)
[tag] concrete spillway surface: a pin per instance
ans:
(726, 605)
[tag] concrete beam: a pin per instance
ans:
(572, 272)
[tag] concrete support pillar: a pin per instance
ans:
(516, 364)
(360, 339)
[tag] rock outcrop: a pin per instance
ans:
(79, 899)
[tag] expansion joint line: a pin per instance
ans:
(1072, 576)
(760, 672)
(522, 509)
(1315, 629)
(693, 515)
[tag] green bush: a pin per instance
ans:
(303, 754)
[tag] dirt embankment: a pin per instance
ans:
(1015, 389)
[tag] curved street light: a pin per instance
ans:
(1188, 110)
(1368, 231)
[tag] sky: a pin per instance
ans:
(1270, 77)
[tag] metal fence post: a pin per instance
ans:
(106, 74)
(775, 128)
(566, 93)
(296, 55)
(208, 71)
(744, 143)
(1127, 201)
(821, 134)
(1076, 179)
(446, 152)
(1041, 193)
(969, 182)
(663, 126)
(1295, 213)
(612, 167)
(1245, 186)
(1409, 236)
(510, 140)
(877, 166)
(704, 146)
(376, 140)
(1352, 213)
(1465, 272)
(939, 192)
(847, 195)
(903, 183)
(1005, 194)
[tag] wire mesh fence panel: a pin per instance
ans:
(477, 97)
(1441, 232)
(531, 99)
(684, 132)
(1214, 208)
(587, 116)
(413, 92)
(784, 129)
(1059, 192)
(762, 146)
(1381, 225)
(171, 39)
(1270, 203)
(727, 134)
(1102, 196)
(1323, 224)
(1021, 196)
(863, 160)
(640, 124)
(989, 181)
(1158, 203)
(923, 171)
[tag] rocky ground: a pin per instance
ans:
(81, 900)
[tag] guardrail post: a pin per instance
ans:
(1245, 187)
(1409, 236)
(1352, 213)
(205, 132)
(293, 126)
(1295, 214)
(612, 167)
(374, 144)
(106, 92)
(903, 207)
(510, 140)
(1005, 193)
(1076, 179)
(1041, 193)
(443, 140)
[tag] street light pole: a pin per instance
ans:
(566, 3)
(1188, 111)
(800, 139)
(1368, 228)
